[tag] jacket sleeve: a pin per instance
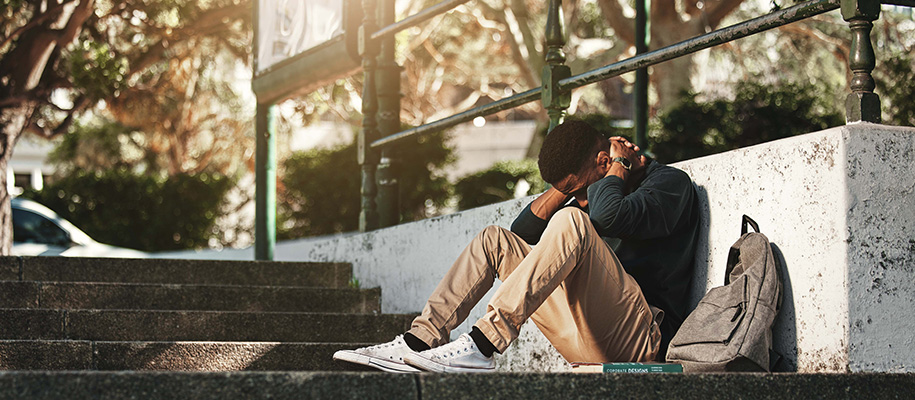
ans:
(528, 226)
(651, 211)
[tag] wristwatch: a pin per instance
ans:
(624, 162)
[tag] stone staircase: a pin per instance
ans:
(183, 315)
(77, 328)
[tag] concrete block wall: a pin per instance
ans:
(838, 205)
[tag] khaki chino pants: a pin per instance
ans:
(571, 284)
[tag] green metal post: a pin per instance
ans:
(641, 75)
(265, 186)
(368, 158)
(862, 105)
(388, 81)
(555, 100)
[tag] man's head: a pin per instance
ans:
(572, 148)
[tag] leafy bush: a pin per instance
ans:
(498, 183)
(895, 78)
(758, 113)
(142, 212)
(320, 191)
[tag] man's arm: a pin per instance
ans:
(531, 223)
(545, 205)
(652, 210)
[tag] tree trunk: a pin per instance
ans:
(13, 121)
(671, 78)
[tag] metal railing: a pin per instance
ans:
(374, 144)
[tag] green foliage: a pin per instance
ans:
(320, 191)
(498, 183)
(96, 146)
(896, 86)
(96, 69)
(758, 113)
(141, 212)
(354, 283)
(8, 7)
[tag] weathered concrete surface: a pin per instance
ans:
(880, 233)
(32, 324)
(836, 203)
(57, 355)
(375, 385)
(79, 295)
(45, 355)
(222, 356)
(666, 386)
(15, 294)
(123, 270)
(9, 268)
(202, 385)
(128, 325)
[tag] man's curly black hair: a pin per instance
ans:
(566, 150)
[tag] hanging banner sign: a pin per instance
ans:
(289, 27)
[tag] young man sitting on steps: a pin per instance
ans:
(607, 281)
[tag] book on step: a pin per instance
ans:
(628, 368)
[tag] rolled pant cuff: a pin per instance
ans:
(500, 343)
(424, 335)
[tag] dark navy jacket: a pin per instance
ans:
(657, 226)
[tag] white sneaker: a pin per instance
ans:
(461, 355)
(387, 357)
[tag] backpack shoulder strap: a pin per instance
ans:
(748, 221)
(734, 252)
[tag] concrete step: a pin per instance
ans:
(371, 385)
(78, 295)
(202, 272)
(132, 325)
(173, 356)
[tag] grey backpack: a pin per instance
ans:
(731, 328)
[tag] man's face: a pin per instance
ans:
(592, 171)
(576, 184)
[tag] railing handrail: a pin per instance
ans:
(417, 18)
(719, 36)
(447, 122)
(723, 35)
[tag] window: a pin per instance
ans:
(29, 227)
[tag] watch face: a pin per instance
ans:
(624, 161)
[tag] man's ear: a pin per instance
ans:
(603, 161)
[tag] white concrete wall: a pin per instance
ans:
(881, 249)
(838, 204)
(794, 189)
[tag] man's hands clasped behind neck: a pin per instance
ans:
(620, 147)
(576, 185)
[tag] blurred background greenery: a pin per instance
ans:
(150, 108)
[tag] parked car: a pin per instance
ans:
(39, 231)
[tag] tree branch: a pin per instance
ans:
(213, 25)
(718, 9)
(691, 7)
(613, 13)
(517, 56)
(840, 46)
(80, 104)
(519, 13)
(665, 10)
(40, 19)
